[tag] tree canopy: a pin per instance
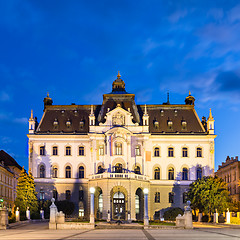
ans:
(26, 194)
(208, 194)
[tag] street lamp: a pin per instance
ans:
(92, 190)
(145, 190)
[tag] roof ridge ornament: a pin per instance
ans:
(118, 76)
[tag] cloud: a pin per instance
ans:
(177, 15)
(22, 120)
(4, 97)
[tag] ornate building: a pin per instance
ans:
(120, 148)
(9, 173)
(229, 171)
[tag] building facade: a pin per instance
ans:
(9, 173)
(229, 171)
(120, 148)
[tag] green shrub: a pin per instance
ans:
(23, 217)
(12, 219)
(66, 206)
(221, 219)
(35, 215)
(172, 213)
(205, 218)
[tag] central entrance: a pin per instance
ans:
(119, 206)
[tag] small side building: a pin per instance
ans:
(229, 172)
(9, 173)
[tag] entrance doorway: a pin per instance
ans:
(119, 206)
(139, 204)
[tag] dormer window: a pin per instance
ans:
(68, 123)
(184, 125)
(170, 124)
(55, 124)
(156, 124)
(162, 113)
(75, 112)
(175, 112)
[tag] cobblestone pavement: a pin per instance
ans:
(39, 230)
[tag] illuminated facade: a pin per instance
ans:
(120, 148)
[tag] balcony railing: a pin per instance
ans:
(120, 175)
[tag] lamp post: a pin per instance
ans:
(146, 220)
(92, 219)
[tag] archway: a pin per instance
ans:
(98, 203)
(119, 203)
(139, 204)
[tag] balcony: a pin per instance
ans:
(120, 176)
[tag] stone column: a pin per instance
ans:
(188, 216)
(92, 218)
(215, 217)
(17, 215)
(228, 219)
(146, 219)
(3, 217)
(28, 213)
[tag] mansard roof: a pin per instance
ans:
(163, 119)
(71, 119)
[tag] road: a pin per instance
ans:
(39, 230)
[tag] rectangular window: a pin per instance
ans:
(157, 197)
(171, 197)
(55, 151)
(42, 150)
(101, 150)
(68, 195)
(68, 151)
(184, 152)
(199, 152)
(81, 151)
(170, 152)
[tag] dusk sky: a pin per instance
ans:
(73, 50)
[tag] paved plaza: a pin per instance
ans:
(39, 230)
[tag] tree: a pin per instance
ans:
(208, 194)
(26, 194)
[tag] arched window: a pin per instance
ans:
(157, 197)
(100, 203)
(170, 152)
(81, 151)
(184, 174)
(157, 173)
(55, 151)
(100, 169)
(118, 149)
(81, 193)
(42, 171)
(81, 172)
(137, 151)
(184, 152)
(156, 152)
(118, 168)
(68, 151)
(42, 150)
(199, 173)
(199, 152)
(137, 170)
(171, 173)
(55, 172)
(41, 194)
(68, 172)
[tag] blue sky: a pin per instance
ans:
(73, 50)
